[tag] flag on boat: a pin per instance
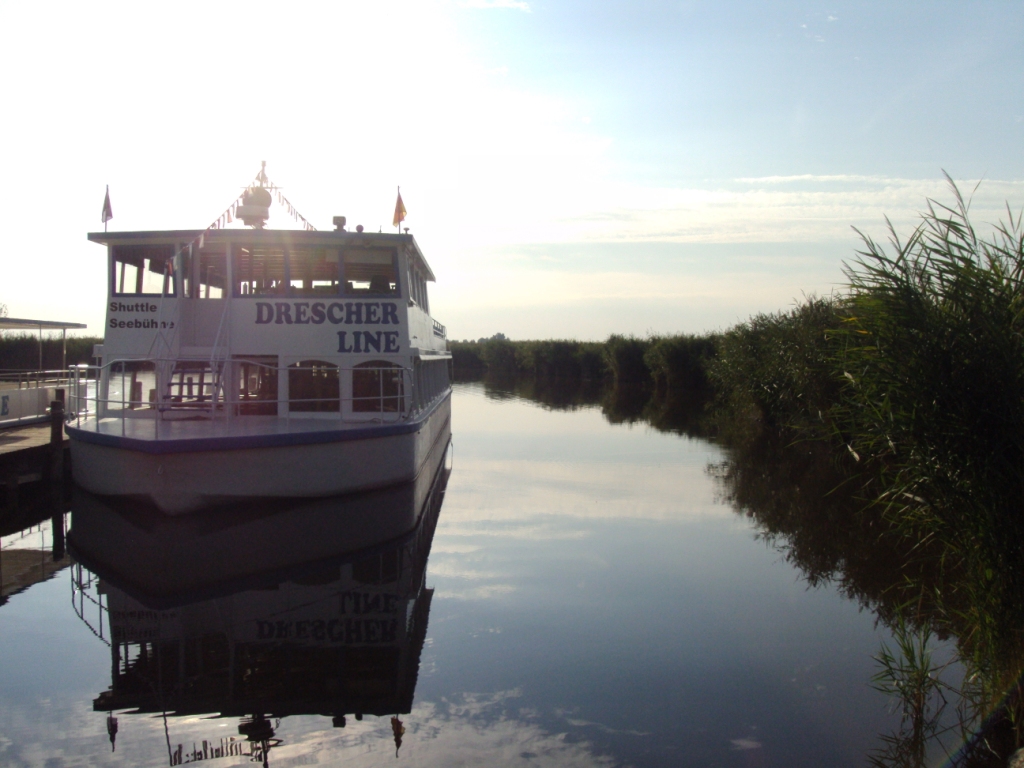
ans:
(399, 210)
(108, 212)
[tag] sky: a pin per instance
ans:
(570, 169)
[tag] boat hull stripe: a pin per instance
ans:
(243, 442)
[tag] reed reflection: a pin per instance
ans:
(954, 665)
(258, 615)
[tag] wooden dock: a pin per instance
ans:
(31, 454)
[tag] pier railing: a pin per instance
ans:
(166, 390)
(25, 396)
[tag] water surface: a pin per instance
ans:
(595, 601)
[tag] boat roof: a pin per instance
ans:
(292, 238)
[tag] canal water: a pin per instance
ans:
(590, 596)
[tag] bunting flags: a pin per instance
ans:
(228, 216)
(292, 211)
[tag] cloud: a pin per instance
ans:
(515, 4)
(469, 729)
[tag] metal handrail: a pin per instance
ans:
(26, 379)
(214, 404)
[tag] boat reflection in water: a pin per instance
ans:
(319, 609)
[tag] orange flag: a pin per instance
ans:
(399, 210)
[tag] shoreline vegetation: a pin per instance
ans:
(19, 351)
(876, 437)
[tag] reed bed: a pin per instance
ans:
(20, 351)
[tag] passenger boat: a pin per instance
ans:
(242, 363)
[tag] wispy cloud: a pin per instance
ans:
(514, 4)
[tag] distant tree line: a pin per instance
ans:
(20, 351)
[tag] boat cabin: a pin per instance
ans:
(330, 325)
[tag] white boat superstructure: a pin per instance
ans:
(250, 362)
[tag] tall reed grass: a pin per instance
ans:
(21, 351)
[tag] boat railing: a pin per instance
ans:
(167, 390)
(87, 599)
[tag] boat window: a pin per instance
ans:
(370, 271)
(131, 385)
(418, 289)
(313, 387)
(378, 387)
(212, 277)
(184, 270)
(193, 385)
(414, 287)
(257, 385)
(259, 272)
(313, 273)
(143, 270)
(432, 379)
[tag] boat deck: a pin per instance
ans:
(152, 436)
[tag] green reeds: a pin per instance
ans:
(777, 370)
(931, 352)
(21, 351)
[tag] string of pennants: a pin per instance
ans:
(231, 212)
(291, 209)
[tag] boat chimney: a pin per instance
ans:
(339, 223)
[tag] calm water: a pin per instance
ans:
(589, 599)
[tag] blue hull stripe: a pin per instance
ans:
(242, 442)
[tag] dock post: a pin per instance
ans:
(11, 488)
(58, 533)
(57, 442)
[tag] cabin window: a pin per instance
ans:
(370, 271)
(257, 385)
(418, 289)
(131, 385)
(432, 379)
(193, 385)
(313, 387)
(259, 272)
(143, 270)
(378, 387)
(184, 270)
(313, 273)
(213, 275)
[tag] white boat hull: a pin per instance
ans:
(189, 480)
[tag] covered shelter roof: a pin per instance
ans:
(20, 324)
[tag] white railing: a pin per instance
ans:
(87, 599)
(195, 389)
(25, 396)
